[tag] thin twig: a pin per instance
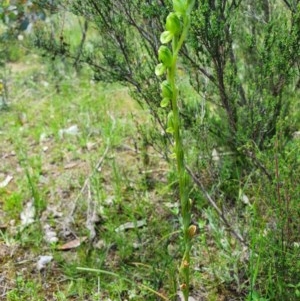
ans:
(86, 182)
(96, 168)
(91, 215)
(215, 206)
(83, 39)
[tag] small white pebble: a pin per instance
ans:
(43, 261)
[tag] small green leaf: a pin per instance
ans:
(166, 37)
(170, 130)
(173, 24)
(165, 102)
(165, 55)
(166, 89)
(160, 69)
(173, 156)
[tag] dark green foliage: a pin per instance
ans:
(249, 54)
(275, 238)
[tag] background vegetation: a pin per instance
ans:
(96, 166)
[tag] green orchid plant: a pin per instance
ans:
(176, 30)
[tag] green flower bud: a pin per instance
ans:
(165, 56)
(166, 37)
(166, 89)
(173, 24)
(160, 69)
(173, 155)
(170, 122)
(180, 6)
(192, 231)
(165, 102)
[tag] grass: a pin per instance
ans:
(58, 173)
